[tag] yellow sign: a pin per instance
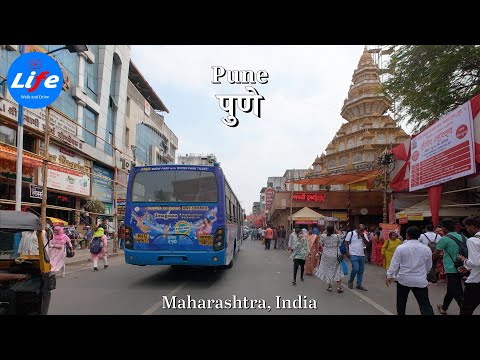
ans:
(205, 239)
(341, 216)
(415, 217)
(182, 228)
(361, 185)
(142, 238)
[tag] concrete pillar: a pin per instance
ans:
(81, 84)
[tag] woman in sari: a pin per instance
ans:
(312, 261)
(377, 249)
(57, 249)
(389, 247)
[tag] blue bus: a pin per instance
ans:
(181, 215)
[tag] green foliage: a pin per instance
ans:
(95, 206)
(430, 80)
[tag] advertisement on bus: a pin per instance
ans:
(181, 227)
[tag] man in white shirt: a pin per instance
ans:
(471, 294)
(411, 260)
(354, 244)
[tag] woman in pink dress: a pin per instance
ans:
(312, 261)
(103, 254)
(57, 249)
(206, 227)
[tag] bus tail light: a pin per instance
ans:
(128, 238)
(219, 239)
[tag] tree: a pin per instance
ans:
(430, 80)
(94, 206)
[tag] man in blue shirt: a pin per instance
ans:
(450, 251)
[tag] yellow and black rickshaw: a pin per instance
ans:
(25, 279)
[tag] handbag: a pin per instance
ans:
(70, 252)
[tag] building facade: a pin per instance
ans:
(197, 159)
(355, 148)
(148, 139)
(369, 128)
(88, 133)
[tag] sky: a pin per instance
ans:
(299, 116)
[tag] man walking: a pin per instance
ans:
(268, 237)
(121, 233)
(412, 261)
(450, 251)
(471, 295)
(354, 242)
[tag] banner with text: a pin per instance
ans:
(444, 151)
(76, 179)
(387, 228)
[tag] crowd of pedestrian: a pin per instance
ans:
(448, 251)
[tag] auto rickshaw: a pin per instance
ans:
(25, 280)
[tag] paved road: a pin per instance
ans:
(257, 275)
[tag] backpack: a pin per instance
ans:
(463, 249)
(96, 245)
(432, 244)
(343, 249)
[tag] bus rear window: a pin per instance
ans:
(174, 186)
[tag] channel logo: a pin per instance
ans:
(35, 80)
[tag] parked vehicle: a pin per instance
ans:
(25, 281)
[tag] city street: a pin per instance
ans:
(257, 274)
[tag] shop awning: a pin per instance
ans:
(10, 153)
(340, 179)
(422, 210)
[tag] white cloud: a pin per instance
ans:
(300, 114)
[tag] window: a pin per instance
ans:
(369, 156)
(127, 138)
(8, 136)
(357, 158)
(341, 147)
(90, 123)
(351, 143)
(128, 108)
(381, 138)
(354, 127)
(332, 164)
(343, 161)
(91, 73)
(359, 141)
(175, 186)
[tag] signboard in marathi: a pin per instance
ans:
(315, 197)
(387, 228)
(75, 178)
(341, 216)
(269, 194)
(443, 151)
(61, 127)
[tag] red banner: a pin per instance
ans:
(316, 197)
(387, 228)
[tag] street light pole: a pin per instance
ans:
(19, 174)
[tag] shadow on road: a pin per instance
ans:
(197, 277)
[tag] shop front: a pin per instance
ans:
(349, 207)
(8, 164)
(68, 181)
